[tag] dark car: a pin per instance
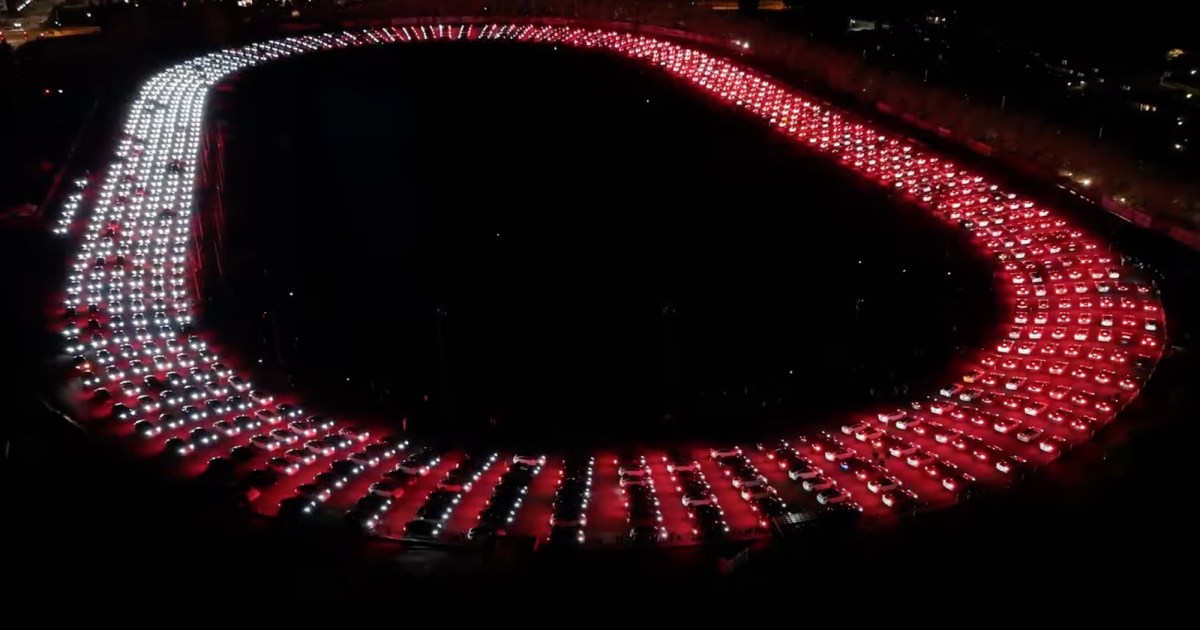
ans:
(566, 536)
(646, 535)
(422, 528)
(262, 478)
(243, 453)
(373, 503)
(297, 507)
(710, 530)
(483, 533)
(346, 468)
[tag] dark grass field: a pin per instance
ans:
(553, 246)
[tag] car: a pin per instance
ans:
(357, 435)
(801, 473)
(941, 407)
(422, 529)
(1006, 425)
(146, 428)
(283, 466)
(693, 500)
(868, 434)
(1052, 444)
(567, 536)
(1036, 408)
(753, 493)
(710, 530)
(1029, 434)
(285, 436)
(568, 517)
(769, 506)
(749, 479)
(364, 459)
(346, 468)
(951, 391)
(226, 428)
(945, 435)
(325, 423)
(899, 498)
(297, 507)
(1010, 464)
(289, 411)
(387, 488)
(892, 416)
(627, 481)
(851, 429)
(243, 453)
(179, 447)
(483, 533)
(420, 462)
(201, 437)
(246, 423)
(647, 535)
(722, 453)
(908, 422)
(319, 447)
(303, 427)
(902, 449)
(456, 482)
(265, 442)
(633, 470)
(838, 454)
(529, 460)
(300, 456)
(882, 484)
(832, 496)
(817, 483)
(267, 416)
(920, 459)
(957, 482)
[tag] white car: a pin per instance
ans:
(902, 450)
(893, 416)
(692, 500)
(358, 435)
(920, 459)
(722, 453)
(908, 423)
(817, 483)
(952, 390)
(832, 496)
(633, 470)
(529, 460)
(749, 481)
(834, 455)
(635, 481)
(1005, 425)
(867, 434)
(851, 429)
(265, 442)
(882, 484)
(803, 472)
(692, 466)
(941, 407)
(1029, 434)
(752, 494)
(1036, 408)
